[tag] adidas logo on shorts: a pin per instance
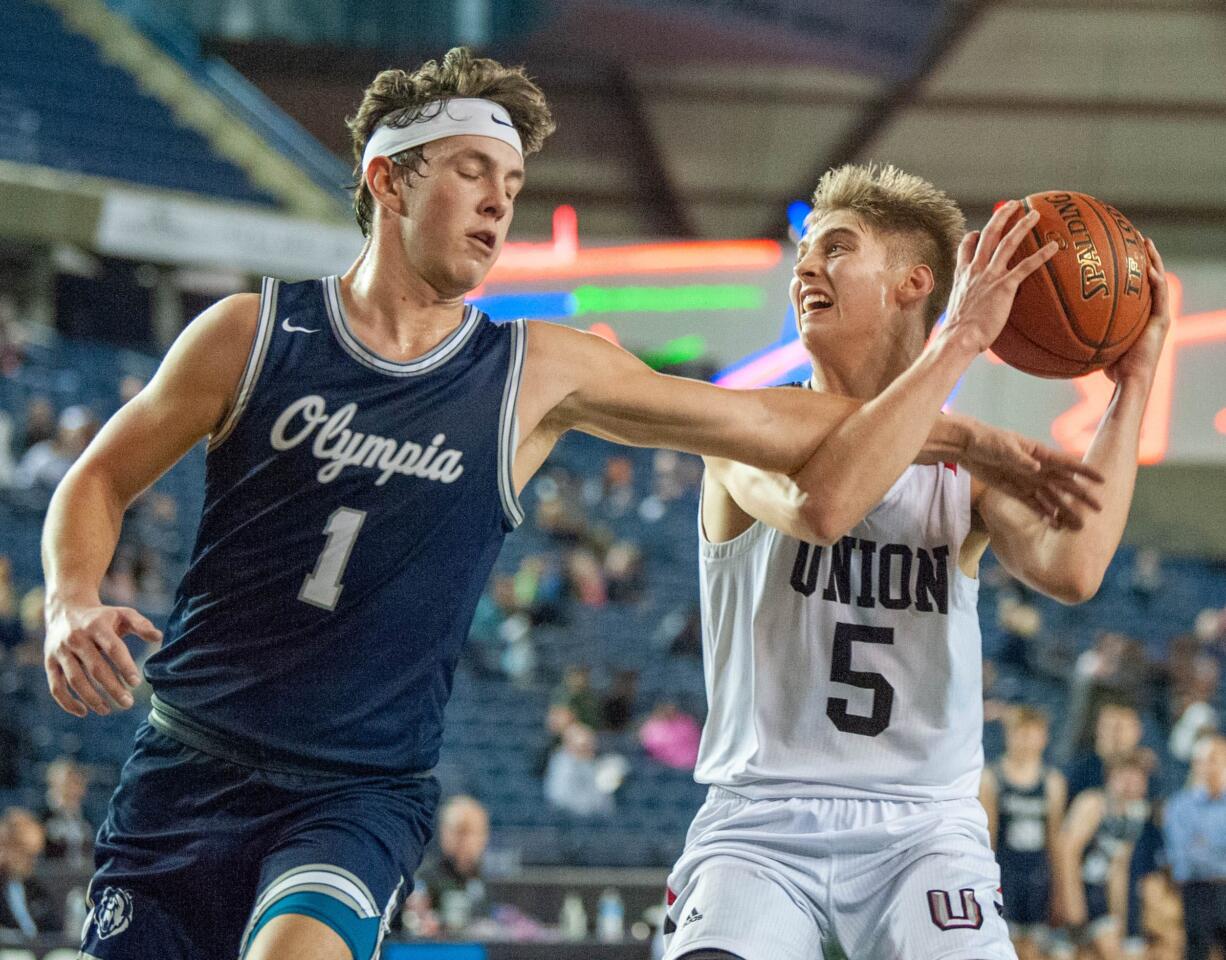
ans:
(694, 915)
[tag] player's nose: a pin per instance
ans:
(495, 205)
(807, 268)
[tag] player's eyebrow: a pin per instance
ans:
(835, 233)
(824, 237)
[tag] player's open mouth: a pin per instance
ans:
(814, 302)
(485, 237)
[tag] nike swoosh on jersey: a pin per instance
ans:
(289, 328)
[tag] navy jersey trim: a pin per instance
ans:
(452, 344)
(508, 426)
(255, 361)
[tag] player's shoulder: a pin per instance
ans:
(216, 344)
(231, 315)
(568, 358)
(544, 335)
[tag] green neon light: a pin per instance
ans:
(726, 296)
(681, 350)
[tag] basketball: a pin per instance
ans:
(1087, 305)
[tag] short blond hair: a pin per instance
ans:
(397, 97)
(901, 206)
(1023, 715)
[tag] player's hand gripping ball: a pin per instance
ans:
(1086, 306)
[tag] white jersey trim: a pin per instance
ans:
(324, 878)
(723, 549)
(508, 425)
(435, 358)
(255, 361)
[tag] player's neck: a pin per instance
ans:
(1023, 771)
(853, 371)
(390, 303)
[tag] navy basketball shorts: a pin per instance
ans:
(1027, 895)
(197, 853)
(1099, 919)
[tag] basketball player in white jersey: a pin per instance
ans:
(842, 651)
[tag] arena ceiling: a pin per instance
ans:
(705, 118)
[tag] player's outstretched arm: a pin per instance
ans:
(576, 381)
(189, 396)
(1083, 819)
(1056, 793)
(1060, 554)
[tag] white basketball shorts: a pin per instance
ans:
(882, 879)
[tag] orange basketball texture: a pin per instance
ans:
(1086, 306)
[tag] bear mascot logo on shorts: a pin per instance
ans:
(113, 912)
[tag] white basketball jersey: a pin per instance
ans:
(852, 670)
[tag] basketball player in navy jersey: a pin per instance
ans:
(844, 737)
(1024, 800)
(368, 437)
(1094, 851)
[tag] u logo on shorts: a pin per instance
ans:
(942, 909)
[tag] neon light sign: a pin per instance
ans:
(563, 258)
(1074, 429)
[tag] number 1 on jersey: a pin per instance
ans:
(322, 586)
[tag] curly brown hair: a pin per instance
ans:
(397, 96)
(904, 206)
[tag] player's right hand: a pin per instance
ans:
(1052, 483)
(85, 656)
(984, 283)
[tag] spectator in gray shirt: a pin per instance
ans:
(570, 778)
(43, 466)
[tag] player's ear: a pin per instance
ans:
(384, 185)
(916, 284)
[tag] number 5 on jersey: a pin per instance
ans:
(845, 634)
(322, 586)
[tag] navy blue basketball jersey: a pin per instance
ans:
(354, 507)
(1118, 828)
(1021, 824)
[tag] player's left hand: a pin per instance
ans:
(1141, 360)
(1050, 482)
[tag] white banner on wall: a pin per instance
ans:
(173, 230)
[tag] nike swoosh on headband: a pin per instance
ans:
(456, 116)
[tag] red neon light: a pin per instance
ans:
(1074, 429)
(605, 331)
(708, 256)
(562, 257)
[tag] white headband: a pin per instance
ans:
(444, 118)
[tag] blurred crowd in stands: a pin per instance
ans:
(589, 629)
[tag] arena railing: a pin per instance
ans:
(178, 40)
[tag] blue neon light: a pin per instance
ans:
(798, 210)
(536, 306)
